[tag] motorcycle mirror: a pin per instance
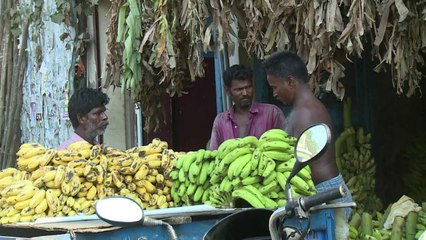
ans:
(119, 211)
(311, 143)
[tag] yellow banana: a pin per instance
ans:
(108, 179)
(131, 186)
(41, 207)
(7, 172)
(79, 146)
(37, 198)
(68, 156)
(34, 163)
(101, 173)
(22, 163)
(26, 193)
(28, 152)
(95, 151)
(75, 185)
(165, 161)
(60, 175)
(136, 164)
(88, 168)
(91, 194)
(154, 164)
(49, 176)
(70, 201)
(149, 150)
(125, 162)
(149, 186)
(151, 179)
(15, 218)
(101, 191)
(77, 163)
(152, 157)
(11, 200)
(6, 181)
(161, 200)
(52, 200)
(117, 179)
(27, 211)
(15, 187)
(48, 156)
(128, 179)
(10, 211)
(40, 172)
(140, 190)
(159, 178)
(22, 204)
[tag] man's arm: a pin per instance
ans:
(278, 118)
(215, 136)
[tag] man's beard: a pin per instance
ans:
(93, 131)
(245, 103)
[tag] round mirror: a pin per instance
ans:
(119, 210)
(312, 142)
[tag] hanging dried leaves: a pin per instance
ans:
(156, 47)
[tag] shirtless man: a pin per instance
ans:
(288, 77)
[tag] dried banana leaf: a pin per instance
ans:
(167, 53)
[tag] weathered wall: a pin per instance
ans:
(44, 112)
(116, 134)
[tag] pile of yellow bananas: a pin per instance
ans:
(50, 182)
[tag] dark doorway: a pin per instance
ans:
(193, 113)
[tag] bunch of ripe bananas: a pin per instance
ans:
(248, 168)
(50, 182)
(358, 168)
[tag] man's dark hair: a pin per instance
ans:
(237, 72)
(83, 101)
(284, 63)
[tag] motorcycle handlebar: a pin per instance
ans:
(322, 197)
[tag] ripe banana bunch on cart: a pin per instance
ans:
(358, 167)
(248, 168)
(50, 182)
